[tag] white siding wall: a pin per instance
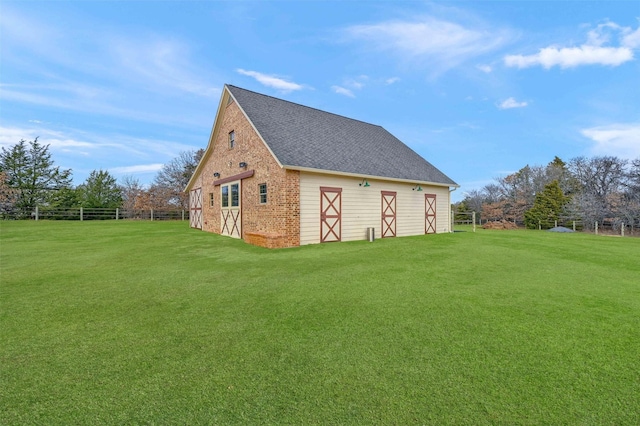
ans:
(362, 207)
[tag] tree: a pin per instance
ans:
(64, 198)
(558, 170)
(474, 199)
(174, 177)
(633, 179)
(100, 190)
(461, 211)
(602, 189)
(630, 211)
(547, 207)
(31, 173)
(599, 182)
(494, 211)
(132, 191)
(8, 195)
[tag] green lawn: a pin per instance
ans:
(154, 323)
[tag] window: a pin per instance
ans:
(262, 189)
(230, 195)
(232, 139)
(211, 199)
(235, 193)
(225, 196)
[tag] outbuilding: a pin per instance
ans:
(280, 174)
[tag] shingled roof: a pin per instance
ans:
(307, 138)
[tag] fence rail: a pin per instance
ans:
(81, 213)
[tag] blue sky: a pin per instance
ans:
(480, 89)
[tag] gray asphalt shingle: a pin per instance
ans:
(300, 136)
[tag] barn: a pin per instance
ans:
(280, 174)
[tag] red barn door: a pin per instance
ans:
(330, 214)
(388, 214)
(429, 213)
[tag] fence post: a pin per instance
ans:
(556, 224)
(37, 213)
(81, 214)
(622, 229)
(117, 213)
(574, 225)
(151, 215)
(183, 214)
(539, 225)
(473, 218)
(596, 227)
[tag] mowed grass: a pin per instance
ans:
(154, 323)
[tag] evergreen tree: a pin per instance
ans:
(547, 207)
(8, 195)
(64, 198)
(100, 190)
(31, 172)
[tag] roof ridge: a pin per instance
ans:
(306, 106)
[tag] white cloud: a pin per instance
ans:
(570, 57)
(392, 80)
(446, 44)
(140, 168)
(343, 91)
(271, 81)
(21, 31)
(55, 139)
(87, 67)
(74, 97)
(512, 103)
(111, 56)
(484, 68)
(12, 135)
(98, 145)
(159, 64)
(593, 52)
(355, 84)
(602, 34)
(632, 39)
(620, 140)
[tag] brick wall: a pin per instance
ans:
(274, 224)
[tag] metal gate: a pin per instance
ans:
(388, 214)
(429, 213)
(330, 214)
(195, 208)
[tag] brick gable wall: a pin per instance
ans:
(274, 224)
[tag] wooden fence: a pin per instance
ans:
(81, 214)
(607, 226)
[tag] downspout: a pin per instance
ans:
(451, 211)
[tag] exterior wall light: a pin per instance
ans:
(242, 165)
(216, 174)
(364, 183)
(417, 188)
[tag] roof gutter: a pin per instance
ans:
(451, 217)
(361, 175)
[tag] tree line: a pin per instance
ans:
(589, 190)
(30, 178)
(598, 189)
